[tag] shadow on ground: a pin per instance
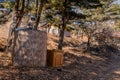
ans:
(76, 67)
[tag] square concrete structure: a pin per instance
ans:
(30, 48)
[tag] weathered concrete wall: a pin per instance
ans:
(30, 48)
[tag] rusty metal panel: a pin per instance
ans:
(55, 58)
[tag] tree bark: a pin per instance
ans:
(20, 14)
(36, 8)
(88, 43)
(17, 5)
(16, 9)
(61, 36)
(39, 14)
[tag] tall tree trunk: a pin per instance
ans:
(88, 43)
(39, 13)
(16, 9)
(17, 5)
(20, 14)
(61, 36)
(36, 8)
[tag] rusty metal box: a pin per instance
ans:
(55, 58)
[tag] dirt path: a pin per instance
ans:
(4, 29)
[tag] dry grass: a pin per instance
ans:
(77, 65)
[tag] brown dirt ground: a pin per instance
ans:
(77, 65)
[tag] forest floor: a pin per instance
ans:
(78, 65)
